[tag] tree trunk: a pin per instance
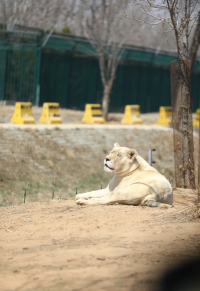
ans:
(182, 124)
(106, 96)
(195, 44)
(106, 100)
(187, 133)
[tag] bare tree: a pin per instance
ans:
(17, 11)
(43, 13)
(101, 23)
(54, 13)
(179, 16)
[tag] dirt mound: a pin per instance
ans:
(69, 159)
(59, 245)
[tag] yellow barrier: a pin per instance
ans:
(196, 121)
(93, 114)
(132, 115)
(23, 113)
(164, 113)
(50, 114)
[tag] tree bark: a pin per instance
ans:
(186, 127)
(106, 96)
(183, 104)
(182, 125)
(195, 44)
(106, 100)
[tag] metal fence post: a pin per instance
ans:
(3, 53)
(150, 157)
(36, 98)
(21, 75)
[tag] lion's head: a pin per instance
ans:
(120, 159)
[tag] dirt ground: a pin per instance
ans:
(58, 245)
(6, 112)
(75, 116)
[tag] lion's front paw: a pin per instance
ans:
(78, 196)
(165, 206)
(81, 196)
(81, 202)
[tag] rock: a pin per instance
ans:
(101, 258)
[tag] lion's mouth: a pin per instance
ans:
(109, 167)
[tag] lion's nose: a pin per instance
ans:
(107, 160)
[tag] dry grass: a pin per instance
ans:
(41, 166)
(188, 207)
(62, 161)
(189, 213)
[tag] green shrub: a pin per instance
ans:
(66, 29)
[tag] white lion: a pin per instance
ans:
(135, 182)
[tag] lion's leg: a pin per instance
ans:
(106, 201)
(152, 203)
(138, 194)
(132, 195)
(93, 194)
(150, 200)
(114, 197)
(92, 201)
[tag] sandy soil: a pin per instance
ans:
(58, 245)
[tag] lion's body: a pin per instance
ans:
(135, 182)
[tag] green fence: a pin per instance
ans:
(38, 67)
(19, 77)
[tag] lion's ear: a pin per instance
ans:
(132, 154)
(116, 145)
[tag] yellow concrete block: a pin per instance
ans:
(93, 114)
(165, 115)
(132, 115)
(196, 121)
(23, 113)
(50, 114)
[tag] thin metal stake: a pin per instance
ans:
(24, 196)
(53, 195)
(150, 157)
